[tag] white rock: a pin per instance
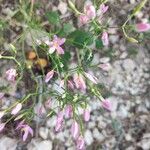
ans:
(145, 144)
(51, 122)
(60, 136)
(36, 144)
(114, 38)
(91, 125)
(7, 143)
(43, 132)
(128, 137)
(88, 137)
(129, 65)
(97, 135)
(62, 7)
(123, 55)
(104, 60)
(123, 113)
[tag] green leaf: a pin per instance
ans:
(68, 27)
(99, 44)
(53, 17)
(88, 57)
(65, 59)
(81, 38)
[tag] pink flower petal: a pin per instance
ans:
(86, 115)
(80, 143)
(25, 135)
(103, 8)
(91, 77)
(83, 19)
(105, 39)
(49, 75)
(90, 11)
(52, 49)
(75, 130)
(107, 105)
(79, 82)
(142, 27)
(68, 111)
(59, 50)
(70, 84)
(61, 41)
(16, 109)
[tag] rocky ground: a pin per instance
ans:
(127, 81)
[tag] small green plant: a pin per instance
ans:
(54, 46)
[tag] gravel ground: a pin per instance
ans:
(127, 85)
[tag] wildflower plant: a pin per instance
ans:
(59, 65)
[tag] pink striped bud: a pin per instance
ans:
(16, 109)
(70, 84)
(91, 77)
(75, 130)
(103, 8)
(142, 27)
(90, 11)
(105, 39)
(68, 111)
(79, 82)
(80, 143)
(86, 115)
(59, 121)
(2, 126)
(49, 75)
(83, 19)
(107, 105)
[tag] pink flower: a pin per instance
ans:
(2, 126)
(27, 130)
(75, 130)
(48, 103)
(86, 115)
(90, 11)
(103, 8)
(107, 105)
(142, 27)
(68, 111)
(56, 45)
(91, 77)
(1, 114)
(105, 67)
(80, 143)
(83, 19)
(79, 82)
(20, 125)
(49, 75)
(59, 121)
(16, 109)
(70, 84)
(105, 39)
(1, 95)
(11, 74)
